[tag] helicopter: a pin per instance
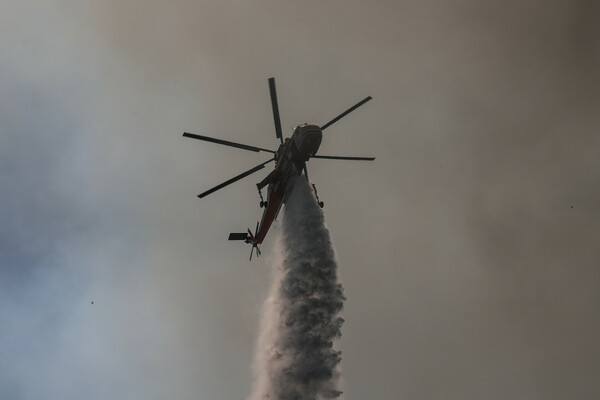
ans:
(290, 161)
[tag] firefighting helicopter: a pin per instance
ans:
(290, 161)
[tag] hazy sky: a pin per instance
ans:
(468, 250)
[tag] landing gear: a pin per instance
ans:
(319, 202)
(262, 203)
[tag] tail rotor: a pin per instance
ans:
(248, 237)
(252, 241)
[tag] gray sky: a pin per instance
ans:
(468, 250)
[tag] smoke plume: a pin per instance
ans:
(295, 357)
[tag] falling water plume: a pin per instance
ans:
(296, 358)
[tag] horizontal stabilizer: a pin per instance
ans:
(238, 236)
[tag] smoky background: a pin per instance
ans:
(469, 247)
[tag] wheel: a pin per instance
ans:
(266, 204)
(262, 204)
(321, 204)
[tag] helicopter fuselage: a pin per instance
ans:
(303, 144)
(290, 158)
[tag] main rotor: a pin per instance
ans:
(279, 135)
(277, 119)
(275, 107)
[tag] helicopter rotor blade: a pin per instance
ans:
(345, 158)
(234, 179)
(226, 143)
(348, 111)
(275, 106)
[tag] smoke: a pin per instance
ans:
(296, 358)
